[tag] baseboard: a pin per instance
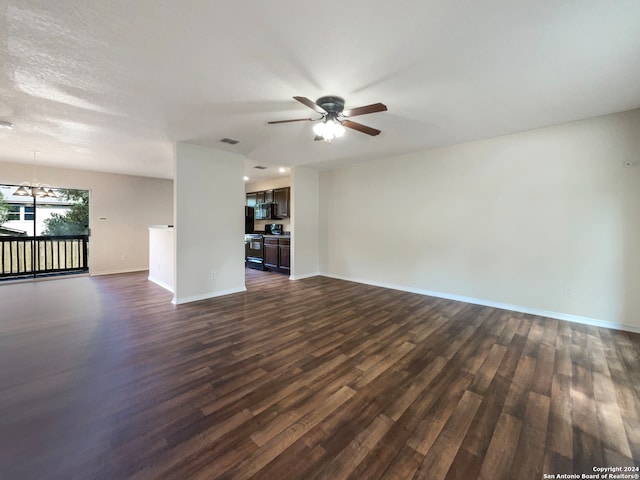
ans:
(114, 272)
(305, 275)
(488, 303)
(205, 296)
(164, 285)
(13, 281)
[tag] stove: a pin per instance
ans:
(254, 251)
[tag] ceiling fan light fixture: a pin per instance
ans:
(329, 129)
(319, 128)
(338, 130)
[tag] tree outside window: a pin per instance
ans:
(73, 222)
(4, 209)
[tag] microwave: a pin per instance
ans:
(273, 229)
(266, 211)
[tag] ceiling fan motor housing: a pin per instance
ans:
(331, 104)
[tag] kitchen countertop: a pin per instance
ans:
(286, 235)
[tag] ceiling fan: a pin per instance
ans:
(334, 117)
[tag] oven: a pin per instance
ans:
(254, 251)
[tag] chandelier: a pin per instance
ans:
(34, 188)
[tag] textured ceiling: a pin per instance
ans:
(111, 85)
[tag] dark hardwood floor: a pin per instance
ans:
(102, 378)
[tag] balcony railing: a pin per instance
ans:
(31, 256)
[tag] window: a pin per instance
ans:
(14, 212)
(28, 213)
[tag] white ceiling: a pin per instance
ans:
(111, 85)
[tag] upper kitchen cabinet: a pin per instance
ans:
(281, 198)
(264, 196)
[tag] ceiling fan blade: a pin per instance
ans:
(294, 120)
(361, 128)
(374, 107)
(311, 104)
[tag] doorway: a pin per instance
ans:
(44, 231)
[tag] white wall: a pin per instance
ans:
(305, 195)
(267, 184)
(128, 204)
(162, 250)
(546, 221)
(209, 223)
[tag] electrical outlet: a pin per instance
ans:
(568, 292)
(213, 274)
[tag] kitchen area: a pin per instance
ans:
(267, 237)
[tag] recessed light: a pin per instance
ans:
(282, 169)
(245, 178)
(5, 124)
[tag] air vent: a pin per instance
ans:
(260, 167)
(230, 141)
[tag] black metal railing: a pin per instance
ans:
(31, 256)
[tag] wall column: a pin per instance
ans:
(209, 223)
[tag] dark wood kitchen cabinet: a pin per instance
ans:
(281, 197)
(277, 254)
(284, 251)
(271, 254)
